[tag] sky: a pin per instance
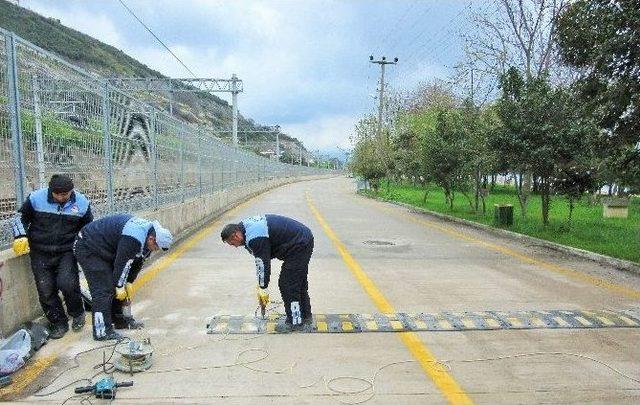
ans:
(304, 64)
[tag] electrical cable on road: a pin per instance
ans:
(331, 385)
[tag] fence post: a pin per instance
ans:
(182, 142)
(38, 127)
(221, 171)
(108, 159)
(154, 156)
(199, 135)
(14, 112)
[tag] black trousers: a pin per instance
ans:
(99, 275)
(55, 272)
(294, 285)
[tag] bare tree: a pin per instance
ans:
(519, 33)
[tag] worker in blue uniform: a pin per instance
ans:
(45, 227)
(111, 251)
(275, 236)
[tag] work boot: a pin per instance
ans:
(307, 324)
(285, 327)
(288, 327)
(78, 322)
(58, 330)
(126, 322)
(110, 334)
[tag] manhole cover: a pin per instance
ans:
(379, 242)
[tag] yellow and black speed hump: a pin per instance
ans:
(442, 321)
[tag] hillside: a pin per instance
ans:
(89, 53)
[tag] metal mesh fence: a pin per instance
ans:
(122, 153)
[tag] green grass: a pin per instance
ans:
(616, 237)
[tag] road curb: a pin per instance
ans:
(619, 264)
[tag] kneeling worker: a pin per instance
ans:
(111, 251)
(286, 239)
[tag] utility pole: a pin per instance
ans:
(234, 108)
(382, 62)
(277, 128)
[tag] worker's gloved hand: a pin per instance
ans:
(21, 246)
(263, 296)
(129, 290)
(122, 293)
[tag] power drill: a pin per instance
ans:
(105, 388)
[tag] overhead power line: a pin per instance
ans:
(156, 37)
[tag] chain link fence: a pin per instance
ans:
(124, 154)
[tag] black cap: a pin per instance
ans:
(60, 183)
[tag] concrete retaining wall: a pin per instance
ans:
(19, 298)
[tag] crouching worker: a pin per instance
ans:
(111, 251)
(46, 226)
(286, 239)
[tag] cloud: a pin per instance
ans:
(304, 64)
(323, 132)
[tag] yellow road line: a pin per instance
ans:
(576, 275)
(440, 376)
(26, 376)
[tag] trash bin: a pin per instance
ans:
(503, 214)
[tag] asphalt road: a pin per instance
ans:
(371, 257)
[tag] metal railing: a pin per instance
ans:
(124, 154)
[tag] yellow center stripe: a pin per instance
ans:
(442, 379)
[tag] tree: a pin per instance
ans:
(573, 181)
(546, 133)
(366, 161)
(602, 38)
(513, 142)
(446, 152)
(507, 33)
(481, 126)
(415, 115)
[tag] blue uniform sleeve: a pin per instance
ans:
(88, 216)
(128, 251)
(136, 266)
(23, 219)
(260, 248)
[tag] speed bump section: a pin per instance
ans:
(445, 321)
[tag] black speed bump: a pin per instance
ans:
(446, 321)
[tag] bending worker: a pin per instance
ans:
(269, 236)
(46, 227)
(111, 251)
